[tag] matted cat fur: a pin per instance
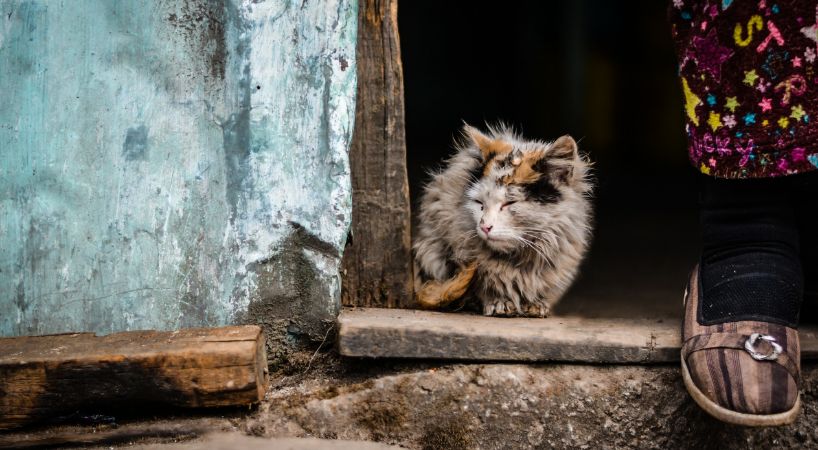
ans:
(505, 223)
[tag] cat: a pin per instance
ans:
(506, 222)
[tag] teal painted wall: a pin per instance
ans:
(169, 164)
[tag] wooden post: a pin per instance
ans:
(377, 266)
(42, 376)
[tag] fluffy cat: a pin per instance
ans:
(506, 222)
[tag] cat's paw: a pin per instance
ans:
(500, 308)
(532, 310)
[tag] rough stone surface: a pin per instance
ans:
(425, 405)
(174, 164)
(495, 406)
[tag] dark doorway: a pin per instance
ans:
(604, 72)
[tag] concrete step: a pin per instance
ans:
(522, 406)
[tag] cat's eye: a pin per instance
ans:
(479, 203)
(507, 204)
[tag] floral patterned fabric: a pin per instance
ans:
(750, 80)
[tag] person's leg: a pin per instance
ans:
(750, 121)
(750, 267)
(740, 357)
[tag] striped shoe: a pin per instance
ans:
(743, 373)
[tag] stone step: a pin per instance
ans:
(404, 333)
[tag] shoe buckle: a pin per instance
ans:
(751, 341)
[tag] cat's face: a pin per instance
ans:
(516, 188)
(495, 209)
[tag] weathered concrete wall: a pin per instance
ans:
(169, 164)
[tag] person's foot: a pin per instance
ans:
(744, 372)
(740, 352)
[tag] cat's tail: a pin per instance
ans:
(437, 294)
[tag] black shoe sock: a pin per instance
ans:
(750, 267)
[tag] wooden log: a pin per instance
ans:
(42, 376)
(377, 264)
(395, 333)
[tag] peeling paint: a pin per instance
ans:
(156, 157)
(135, 146)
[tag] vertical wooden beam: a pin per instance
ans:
(377, 264)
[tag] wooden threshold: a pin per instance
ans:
(404, 333)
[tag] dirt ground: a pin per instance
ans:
(433, 405)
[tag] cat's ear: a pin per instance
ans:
(480, 140)
(565, 148)
(488, 147)
(563, 156)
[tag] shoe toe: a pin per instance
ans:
(734, 380)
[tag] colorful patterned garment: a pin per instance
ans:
(750, 80)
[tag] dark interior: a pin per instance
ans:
(604, 72)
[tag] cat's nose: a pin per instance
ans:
(486, 228)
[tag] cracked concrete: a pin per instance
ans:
(493, 406)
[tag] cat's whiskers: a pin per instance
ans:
(541, 234)
(547, 247)
(533, 247)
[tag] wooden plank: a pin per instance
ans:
(377, 264)
(402, 333)
(42, 376)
